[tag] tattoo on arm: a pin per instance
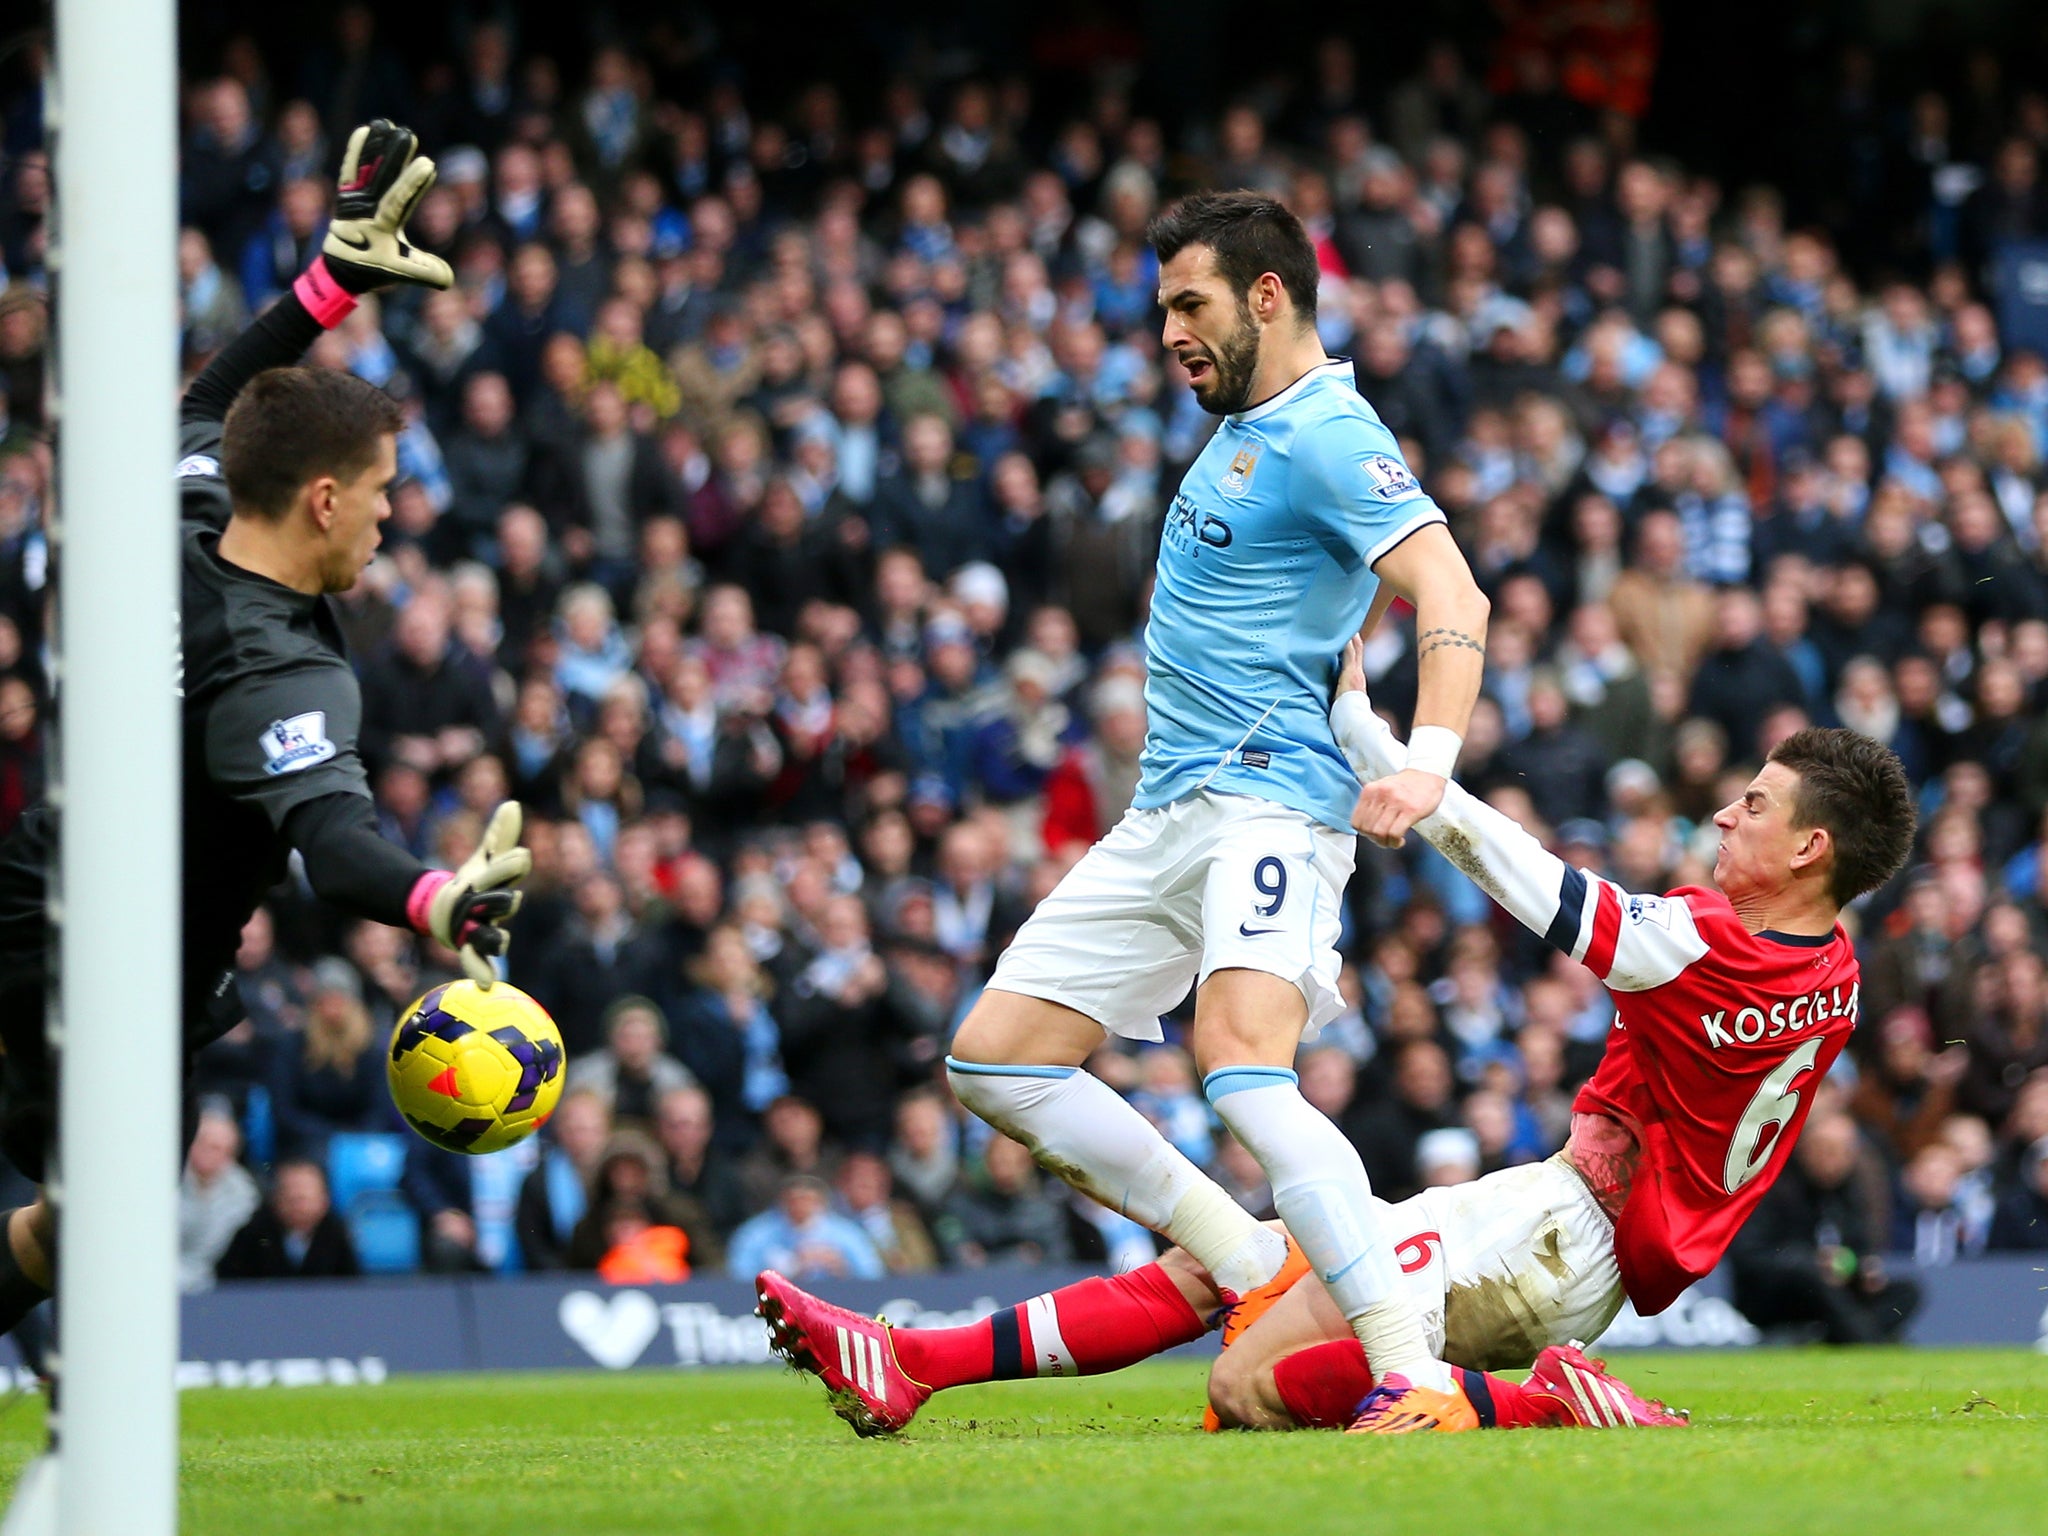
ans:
(1608, 1174)
(1441, 639)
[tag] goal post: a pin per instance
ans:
(117, 1029)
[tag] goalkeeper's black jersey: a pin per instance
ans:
(272, 712)
(271, 715)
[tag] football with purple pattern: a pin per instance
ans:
(475, 1071)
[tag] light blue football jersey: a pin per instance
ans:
(1265, 570)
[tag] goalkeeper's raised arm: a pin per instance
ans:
(1571, 909)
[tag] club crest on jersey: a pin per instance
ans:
(1390, 478)
(1238, 478)
(300, 742)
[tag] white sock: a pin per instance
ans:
(1321, 1192)
(1078, 1127)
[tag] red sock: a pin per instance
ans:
(1504, 1405)
(1079, 1330)
(1322, 1386)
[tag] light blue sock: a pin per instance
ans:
(1321, 1191)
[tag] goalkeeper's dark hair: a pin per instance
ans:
(1252, 234)
(1857, 790)
(292, 425)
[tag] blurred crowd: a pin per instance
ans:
(780, 494)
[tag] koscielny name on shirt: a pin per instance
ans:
(1752, 1024)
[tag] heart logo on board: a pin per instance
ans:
(614, 1332)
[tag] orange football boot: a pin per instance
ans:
(1397, 1406)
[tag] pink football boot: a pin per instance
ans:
(853, 1355)
(1592, 1397)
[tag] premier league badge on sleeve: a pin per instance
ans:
(300, 742)
(1390, 478)
(1649, 909)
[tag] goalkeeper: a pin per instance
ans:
(283, 483)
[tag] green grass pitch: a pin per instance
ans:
(1875, 1442)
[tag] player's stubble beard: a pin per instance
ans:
(1236, 362)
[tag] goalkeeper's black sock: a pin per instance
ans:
(19, 1295)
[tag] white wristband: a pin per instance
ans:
(1434, 749)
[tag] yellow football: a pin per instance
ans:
(475, 1071)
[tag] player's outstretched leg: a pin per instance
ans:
(877, 1377)
(1089, 1328)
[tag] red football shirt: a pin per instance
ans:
(1719, 1038)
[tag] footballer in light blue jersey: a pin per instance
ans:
(1265, 571)
(1228, 873)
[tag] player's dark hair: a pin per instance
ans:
(292, 425)
(1856, 789)
(1252, 234)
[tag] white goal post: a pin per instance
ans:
(114, 252)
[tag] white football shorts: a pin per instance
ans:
(1211, 882)
(1505, 1265)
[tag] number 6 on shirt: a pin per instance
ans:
(1775, 1104)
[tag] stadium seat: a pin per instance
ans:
(361, 1163)
(386, 1231)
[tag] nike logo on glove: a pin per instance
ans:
(1253, 933)
(361, 245)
